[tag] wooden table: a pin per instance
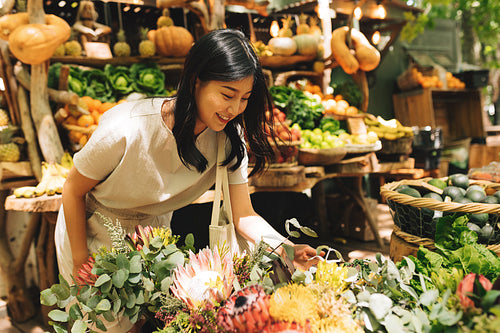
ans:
(42, 226)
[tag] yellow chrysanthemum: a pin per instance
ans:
(294, 303)
(332, 275)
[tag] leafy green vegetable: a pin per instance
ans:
(300, 108)
(76, 81)
(119, 79)
(350, 92)
(98, 86)
(53, 75)
(331, 125)
(148, 78)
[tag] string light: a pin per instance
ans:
(275, 28)
(380, 12)
(376, 37)
(358, 13)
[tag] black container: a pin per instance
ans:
(427, 159)
(427, 138)
(474, 79)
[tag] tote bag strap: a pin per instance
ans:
(221, 184)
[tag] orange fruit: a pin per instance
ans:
(121, 101)
(342, 104)
(351, 111)
(106, 106)
(96, 115)
(89, 101)
(85, 120)
(83, 140)
(71, 120)
(338, 97)
(74, 136)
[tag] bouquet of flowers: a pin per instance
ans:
(146, 275)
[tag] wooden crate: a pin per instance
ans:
(457, 112)
(11, 170)
(280, 177)
(482, 155)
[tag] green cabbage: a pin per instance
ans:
(98, 86)
(120, 79)
(148, 78)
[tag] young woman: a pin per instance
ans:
(150, 157)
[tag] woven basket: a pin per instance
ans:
(417, 216)
(429, 243)
(327, 156)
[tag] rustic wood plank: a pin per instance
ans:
(42, 203)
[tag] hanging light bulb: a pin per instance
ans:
(275, 28)
(376, 37)
(380, 12)
(358, 13)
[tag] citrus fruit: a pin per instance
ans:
(439, 183)
(459, 179)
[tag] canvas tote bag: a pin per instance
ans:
(222, 231)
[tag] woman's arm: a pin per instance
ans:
(253, 227)
(73, 197)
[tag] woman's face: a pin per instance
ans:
(219, 102)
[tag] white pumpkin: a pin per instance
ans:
(284, 46)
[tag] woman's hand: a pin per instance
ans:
(303, 256)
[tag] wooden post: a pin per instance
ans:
(48, 136)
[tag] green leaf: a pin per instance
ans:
(117, 305)
(75, 312)
(122, 262)
(134, 278)
(290, 251)
(109, 266)
(135, 264)
(47, 297)
(99, 324)
(140, 297)
(79, 327)
(109, 316)
(61, 291)
(59, 315)
(189, 240)
(148, 284)
(59, 328)
(93, 301)
(429, 297)
(101, 280)
(308, 231)
(103, 306)
(294, 234)
(380, 305)
(119, 277)
(165, 284)
(106, 287)
(131, 301)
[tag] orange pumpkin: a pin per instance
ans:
(173, 41)
(34, 43)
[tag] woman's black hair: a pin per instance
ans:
(223, 55)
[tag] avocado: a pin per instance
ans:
(463, 200)
(454, 192)
(459, 179)
(439, 183)
(475, 195)
(476, 188)
(490, 199)
(480, 219)
(433, 195)
(410, 191)
(474, 227)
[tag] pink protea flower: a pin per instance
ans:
(466, 287)
(140, 237)
(207, 278)
(85, 275)
(247, 310)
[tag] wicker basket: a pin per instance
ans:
(399, 146)
(418, 216)
(429, 243)
(311, 156)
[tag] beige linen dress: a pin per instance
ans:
(143, 181)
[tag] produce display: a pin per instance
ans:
(121, 47)
(457, 188)
(53, 178)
